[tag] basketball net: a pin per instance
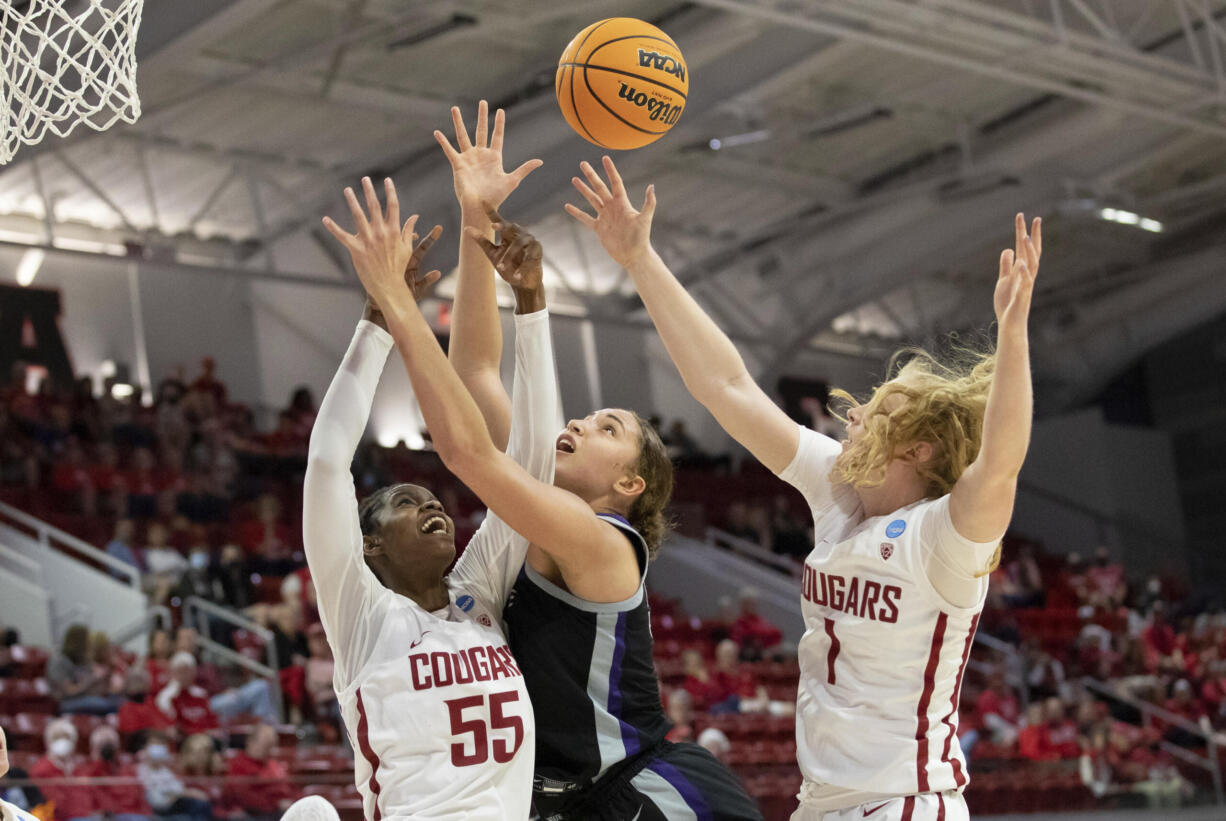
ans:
(63, 67)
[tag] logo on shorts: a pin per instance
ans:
(895, 528)
(465, 603)
(887, 550)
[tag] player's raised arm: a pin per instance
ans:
(476, 335)
(981, 503)
(557, 521)
(331, 536)
(710, 365)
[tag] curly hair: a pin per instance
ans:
(946, 399)
(647, 513)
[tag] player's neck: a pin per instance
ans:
(429, 597)
(902, 487)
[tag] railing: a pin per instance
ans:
(754, 552)
(198, 611)
(1151, 711)
(50, 537)
(157, 613)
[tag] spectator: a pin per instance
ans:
(319, 670)
(715, 742)
(200, 578)
(997, 711)
(17, 802)
(1022, 585)
(1044, 673)
(9, 665)
(157, 659)
(250, 698)
(119, 801)
(73, 680)
(1105, 581)
(120, 546)
(59, 762)
(680, 710)
(1095, 762)
(752, 631)
(234, 576)
(271, 795)
(208, 383)
(267, 539)
(139, 714)
(302, 409)
(738, 523)
(734, 688)
(1032, 740)
(1159, 641)
(698, 682)
(1061, 731)
(204, 770)
(184, 702)
(164, 791)
(71, 479)
(107, 662)
(166, 564)
(1184, 703)
(142, 485)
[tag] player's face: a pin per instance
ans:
(4, 754)
(414, 526)
(595, 452)
(858, 416)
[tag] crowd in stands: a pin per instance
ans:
(188, 492)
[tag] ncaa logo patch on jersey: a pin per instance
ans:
(465, 603)
(895, 528)
(887, 550)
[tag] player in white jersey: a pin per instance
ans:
(8, 812)
(433, 701)
(908, 515)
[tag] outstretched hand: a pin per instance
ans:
(383, 252)
(624, 232)
(476, 167)
(1018, 268)
(517, 256)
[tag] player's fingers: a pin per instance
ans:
(461, 136)
(649, 201)
(347, 239)
(1036, 232)
(1006, 262)
(393, 202)
(372, 201)
(524, 170)
(596, 182)
(427, 241)
(582, 216)
(1032, 255)
(360, 224)
(406, 233)
(491, 213)
(588, 194)
(615, 179)
(500, 124)
(481, 136)
(427, 280)
(514, 257)
(490, 250)
(445, 144)
(1019, 233)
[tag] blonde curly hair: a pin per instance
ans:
(945, 402)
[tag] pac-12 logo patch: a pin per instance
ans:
(887, 550)
(895, 528)
(465, 603)
(484, 619)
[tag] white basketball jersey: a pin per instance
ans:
(883, 654)
(439, 717)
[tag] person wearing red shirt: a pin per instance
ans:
(752, 631)
(1158, 639)
(1061, 731)
(123, 802)
(207, 382)
(157, 659)
(267, 539)
(997, 710)
(698, 681)
(59, 762)
(1033, 741)
(183, 701)
(71, 477)
(680, 712)
(138, 714)
(269, 796)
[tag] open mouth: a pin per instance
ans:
(566, 443)
(435, 524)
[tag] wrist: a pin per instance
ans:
(529, 300)
(641, 260)
(371, 313)
(472, 213)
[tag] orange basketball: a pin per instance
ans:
(622, 83)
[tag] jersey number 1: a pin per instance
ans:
(834, 651)
(502, 750)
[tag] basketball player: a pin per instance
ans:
(908, 514)
(434, 703)
(8, 812)
(578, 611)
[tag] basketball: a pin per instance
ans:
(622, 83)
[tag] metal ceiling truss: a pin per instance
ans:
(1041, 52)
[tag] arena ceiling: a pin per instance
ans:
(871, 156)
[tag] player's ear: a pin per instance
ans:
(372, 545)
(631, 485)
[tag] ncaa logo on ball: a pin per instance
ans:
(895, 528)
(465, 603)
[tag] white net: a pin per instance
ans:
(65, 62)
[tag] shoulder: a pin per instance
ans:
(635, 538)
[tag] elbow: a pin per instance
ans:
(462, 457)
